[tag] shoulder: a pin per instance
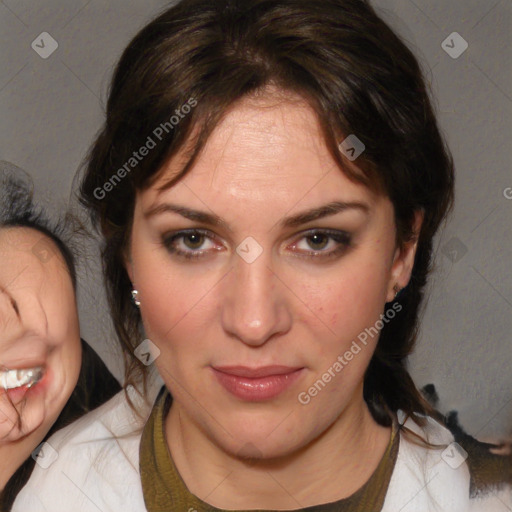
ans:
(435, 472)
(92, 463)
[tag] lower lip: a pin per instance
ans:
(16, 395)
(257, 389)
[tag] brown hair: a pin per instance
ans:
(357, 75)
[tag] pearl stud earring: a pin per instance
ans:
(135, 297)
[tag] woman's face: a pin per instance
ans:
(39, 330)
(268, 291)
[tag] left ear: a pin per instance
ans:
(403, 260)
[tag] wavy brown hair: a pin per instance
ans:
(353, 70)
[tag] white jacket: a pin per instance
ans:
(93, 466)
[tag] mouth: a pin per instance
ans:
(20, 378)
(256, 384)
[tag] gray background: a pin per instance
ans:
(51, 108)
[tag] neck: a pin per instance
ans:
(350, 448)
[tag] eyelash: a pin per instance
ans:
(342, 238)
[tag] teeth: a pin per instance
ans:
(11, 379)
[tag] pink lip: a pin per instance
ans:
(256, 384)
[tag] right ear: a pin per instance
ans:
(128, 264)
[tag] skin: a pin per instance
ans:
(267, 160)
(38, 326)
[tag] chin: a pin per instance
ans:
(266, 450)
(256, 443)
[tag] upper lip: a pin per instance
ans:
(22, 364)
(261, 371)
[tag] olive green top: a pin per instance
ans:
(165, 491)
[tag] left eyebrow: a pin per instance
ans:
(289, 222)
(324, 211)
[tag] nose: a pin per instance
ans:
(255, 306)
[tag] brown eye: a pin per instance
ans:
(318, 241)
(196, 240)
(323, 243)
(186, 244)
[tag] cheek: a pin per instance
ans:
(347, 298)
(65, 362)
(344, 304)
(64, 333)
(169, 293)
(70, 351)
(173, 305)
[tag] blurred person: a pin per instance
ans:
(48, 375)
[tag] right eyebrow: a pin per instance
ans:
(188, 213)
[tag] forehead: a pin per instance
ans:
(264, 142)
(27, 254)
